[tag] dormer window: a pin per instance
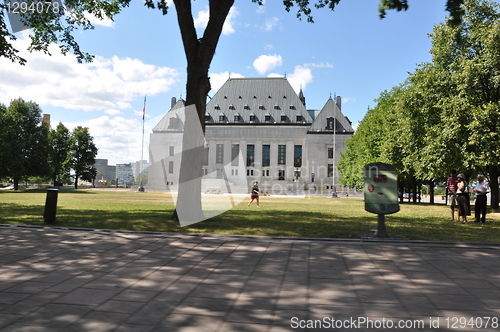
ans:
(299, 118)
(231, 107)
(225, 97)
(246, 107)
(237, 118)
(207, 117)
(292, 107)
(269, 97)
(329, 123)
(222, 117)
(276, 107)
(252, 117)
(217, 107)
(239, 97)
(254, 97)
(283, 117)
(284, 97)
(268, 117)
(261, 107)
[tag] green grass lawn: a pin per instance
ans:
(277, 216)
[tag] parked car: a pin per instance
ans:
(11, 187)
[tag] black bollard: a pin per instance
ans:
(49, 214)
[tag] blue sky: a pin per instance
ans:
(349, 52)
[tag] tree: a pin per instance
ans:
(82, 155)
(49, 28)
(24, 136)
(468, 56)
(4, 123)
(447, 113)
(60, 145)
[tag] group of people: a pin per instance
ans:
(459, 198)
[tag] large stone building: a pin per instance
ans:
(105, 172)
(256, 129)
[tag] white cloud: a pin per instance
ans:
(265, 63)
(112, 111)
(58, 80)
(261, 9)
(319, 65)
(118, 139)
(348, 100)
(96, 21)
(201, 20)
(228, 27)
(271, 23)
(217, 80)
(300, 77)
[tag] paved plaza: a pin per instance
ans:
(71, 280)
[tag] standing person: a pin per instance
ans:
(254, 194)
(451, 188)
(463, 199)
(482, 188)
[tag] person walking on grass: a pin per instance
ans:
(451, 188)
(254, 195)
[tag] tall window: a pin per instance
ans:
(235, 151)
(330, 153)
(330, 170)
(281, 175)
(171, 150)
(219, 154)
(250, 155)
(266, 155)
(170, 167)
(281, 154)
(297, 156)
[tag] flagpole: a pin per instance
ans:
(141, 188)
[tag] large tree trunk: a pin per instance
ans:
(414, 189)
(431, 191)
(199, 55)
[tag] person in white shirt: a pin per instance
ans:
(482, 188)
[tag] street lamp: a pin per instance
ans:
(334, 189)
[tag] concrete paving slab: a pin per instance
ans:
(74, 280)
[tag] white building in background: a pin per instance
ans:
(283, 145)
(124, 174)
(140, 167)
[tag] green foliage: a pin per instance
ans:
(82, 155)
(60, 145)
(24, 147)
(446, 115)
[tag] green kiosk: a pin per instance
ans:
(381, 193)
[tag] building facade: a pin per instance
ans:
(124, 174)
(257, 129)
(105, 173)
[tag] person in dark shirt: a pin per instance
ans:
(463, 198)
(254, 195)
